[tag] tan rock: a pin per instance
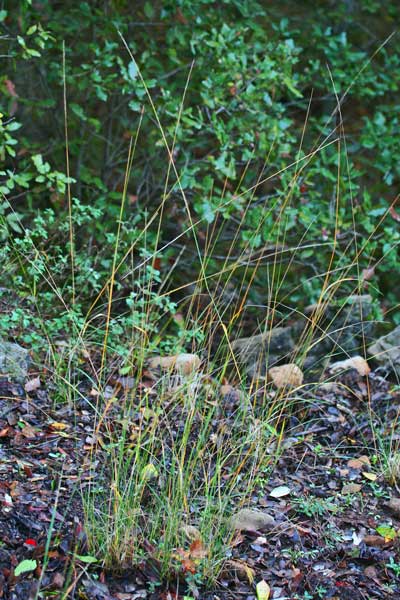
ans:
(191, 532)
(394, 505)
(248, 519)
(286, 375)
(184, 364)
(355, 362)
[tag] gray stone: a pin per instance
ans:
(386, 350)
(334, 330)
(331, 330)
(260, 352)
(342, 328)
(14, 361)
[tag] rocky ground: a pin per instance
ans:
(324, 523)
(331, 511)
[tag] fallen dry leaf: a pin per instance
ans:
(188, 566)
(58, 580)
(358, 463)
(32, 384)
(28, 431)
(374, 540)
(357, 538)
(58, 426)
(280, 491)
(351, 488)
(241, 570)
(355, 463)
(370, 476)
(197, 550)
(371, 572)
(263, 590)
(286, 375)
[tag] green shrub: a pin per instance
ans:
(279, 181)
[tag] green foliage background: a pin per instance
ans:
(263, 81)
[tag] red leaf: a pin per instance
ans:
(368, 273)
(197, 550)
(11, 88)
(157, 263)
(395, 215)
(188, 566)
(27, 471)
(28, 432)
(30, 542)
(181, 17)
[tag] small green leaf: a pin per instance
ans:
(25, 566)
(86, 558)
(389, 533)
(132, 70)
(13, 126)
(135, 106)
(33, 52)
(149, 472)
(37, 161)
(78, 110)
(148, 10)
